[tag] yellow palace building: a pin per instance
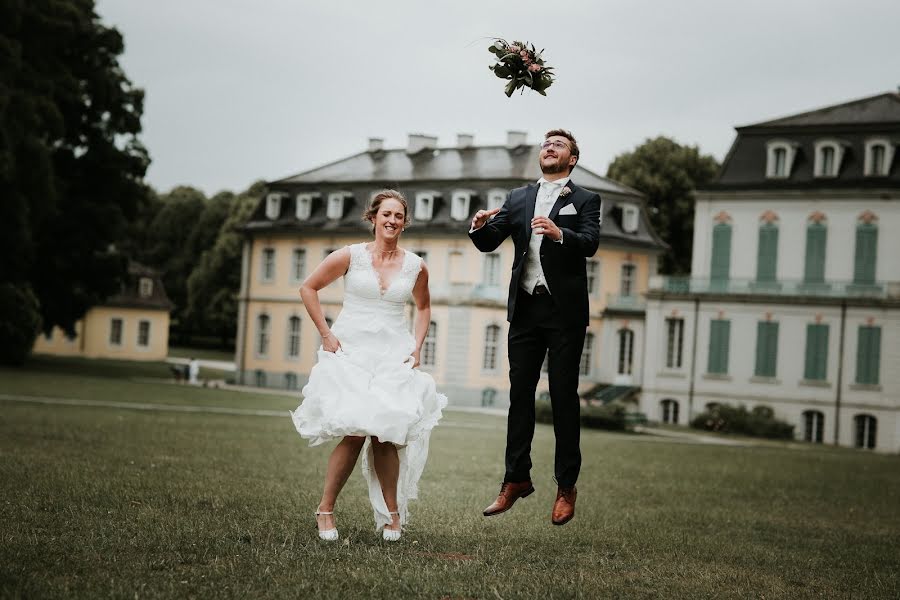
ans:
(302, 218)
(132, 325)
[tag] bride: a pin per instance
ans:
(366, 389)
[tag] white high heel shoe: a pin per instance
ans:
(391, 535)
(329, 535)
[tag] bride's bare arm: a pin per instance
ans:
(422, 298)
(334, 266)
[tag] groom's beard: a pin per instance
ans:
(553, 168)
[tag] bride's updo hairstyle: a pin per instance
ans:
(380, 197)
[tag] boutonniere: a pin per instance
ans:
(564, 192)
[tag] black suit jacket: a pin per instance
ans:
(563, 264)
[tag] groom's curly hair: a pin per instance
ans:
(568, 135)
(380, 197)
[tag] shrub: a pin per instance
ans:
(760, 422)
(609, 416)
(20, 322)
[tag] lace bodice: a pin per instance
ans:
(363, 283)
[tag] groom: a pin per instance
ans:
(554, 224)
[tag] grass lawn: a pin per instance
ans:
(102, 501)
(200, 353)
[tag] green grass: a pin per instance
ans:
(115, 502)
(201, 353)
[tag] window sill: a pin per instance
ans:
(764, 379)
(821, 383)
(717, 376)
(672, 374)
(865, 387)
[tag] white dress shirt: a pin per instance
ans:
(533, 275)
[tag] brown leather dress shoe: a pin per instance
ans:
(509, 493)
(564, 507)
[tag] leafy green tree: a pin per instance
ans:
(214, 284)
(668, 173)
(71, 164)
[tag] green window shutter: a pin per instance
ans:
(868, 355)
(766, 348)
(767, 253)
(866, 254)
(721, 252)
(816, 368)
(814, 272)
(719, 330)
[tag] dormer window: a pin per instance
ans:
(273, 206)
(424, 206)
(828, 158)
(459, 205)
(145, 287)
(495, 199)
(780, 158)
(304, 205)
(630, 214)
(335, 208)
(879, 156)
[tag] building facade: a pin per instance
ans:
(303, 218)
(132, 325)
(794, 296)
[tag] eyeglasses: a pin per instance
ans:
(556, 144)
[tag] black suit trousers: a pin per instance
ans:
(534, 332)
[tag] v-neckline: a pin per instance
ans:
(378, 277)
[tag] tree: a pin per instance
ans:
(215, 282)
(668, 173)
(71, 165)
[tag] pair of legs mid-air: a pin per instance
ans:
(340, 466)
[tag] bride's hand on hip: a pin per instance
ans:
(330, 343)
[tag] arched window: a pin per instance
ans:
(626, 351)
(828, 155)
(429, 345)
(866, 431)
(780, 158)
(491, 347)
(273, 206)
(262, 335)
(293, 346)
(813, 425)
(669, 409)
(878, 157)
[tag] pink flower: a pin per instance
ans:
(526, 60)
(513, 48)
(565, 192)
(534, 67)
(524, 53)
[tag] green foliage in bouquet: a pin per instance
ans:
(518, 63)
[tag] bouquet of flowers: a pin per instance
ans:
(521, 65)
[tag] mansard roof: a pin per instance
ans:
(130, 297)
(442, 171)
(850, 124)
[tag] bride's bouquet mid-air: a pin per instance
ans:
(519, 63)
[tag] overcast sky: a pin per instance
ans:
(243, 90)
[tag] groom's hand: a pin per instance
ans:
(482, 217)
(546, 227)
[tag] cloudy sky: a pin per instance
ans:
(238, 90)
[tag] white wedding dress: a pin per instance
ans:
(369, 386)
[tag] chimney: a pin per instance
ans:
(376, 144)
(465, 140)
(514, 139)
(419, 142)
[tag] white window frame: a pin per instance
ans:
(146, 343)
(495, 198)
(631, 280)
(112, 320)
(592, 269)
(425, 206)
(491, 269)
(674, 346)
(295, 276)
(293, 336)
(490, 358)
(459, 205)
(263, 338)
(145, 287)
(630, 218)
(869, 166)
(273, 205)
(625, 347)
(790, 152)
(586, 361)
(335, 209)
(821, 147)
(303, 210)
(429, 346)
(267, 275)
